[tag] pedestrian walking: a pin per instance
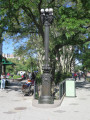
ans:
(79, 77)
(75, 76)
(30, 75)
(33, 78)
(72, 75)
(84, 76)
(3, 81)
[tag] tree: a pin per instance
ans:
(29, 64)
(83, 55)
(70, 27)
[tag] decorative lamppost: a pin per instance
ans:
(46, 98)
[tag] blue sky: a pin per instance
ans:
(8, 47)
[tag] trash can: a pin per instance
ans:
(70, 87)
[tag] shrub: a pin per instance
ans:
(16, 76)
(61, 76)
(10, 77)
(38, 78)
(88, 79)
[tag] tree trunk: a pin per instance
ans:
(40, 61)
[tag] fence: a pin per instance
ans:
(62, 89)
(36, 90)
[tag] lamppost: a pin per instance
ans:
(46, 98)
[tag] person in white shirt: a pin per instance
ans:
(3, 81)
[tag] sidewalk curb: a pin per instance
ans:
(57, 103)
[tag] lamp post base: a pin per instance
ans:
(46, 97)
(46, 100)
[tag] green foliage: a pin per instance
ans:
(73, 26)
(23, 64)
(21, 19)
(9, 69)
(84, 56)
(38, 78)
(16, 76)
(61, 76)
(88, 79)
(10, 77)
(36, 96)
(78, 67)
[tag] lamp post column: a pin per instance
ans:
(46, 38)
(46, 98)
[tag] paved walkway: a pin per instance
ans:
(15, 106)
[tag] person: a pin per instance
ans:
(75, 76)
(3, 81)
(72, 75)
(33, 78)
(30, 75)
(84, 76)
(79, 76)
(8, 74)
(22, 77)
(28, 82)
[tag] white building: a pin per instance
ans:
(10, 56)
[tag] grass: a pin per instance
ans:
(88, 79)
(14, 77)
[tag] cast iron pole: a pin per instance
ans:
(46, 97)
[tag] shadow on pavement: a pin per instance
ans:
(14, 86)
(83, 84)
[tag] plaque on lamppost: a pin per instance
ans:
(46, 98)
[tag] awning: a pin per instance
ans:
(6, 62)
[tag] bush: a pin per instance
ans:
(10, 77)
(88, 79)
(58, 77)
(36, 96)
(61, 76)
(38, 78)
(14, 76)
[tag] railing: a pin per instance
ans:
(62, 89)
(36, 90)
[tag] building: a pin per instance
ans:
(10, 56)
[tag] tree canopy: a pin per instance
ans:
(71, 26)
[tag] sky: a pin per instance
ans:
(8, 47)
